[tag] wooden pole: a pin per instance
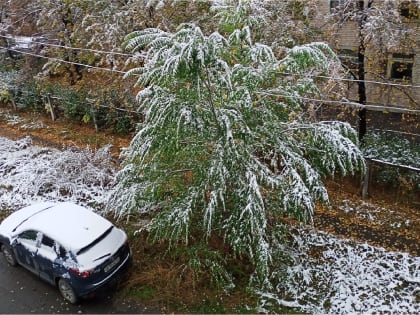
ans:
(366, 180)
(49, 107)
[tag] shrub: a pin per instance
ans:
(74, 104)
(8, 85)
(29, 97)
(398, 150)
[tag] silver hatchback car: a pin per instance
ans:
(66, 245)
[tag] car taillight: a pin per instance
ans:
(81, 274)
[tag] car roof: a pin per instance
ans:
(13, 220)
(71, 225)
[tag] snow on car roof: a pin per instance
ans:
(71, 225)
(17, 217)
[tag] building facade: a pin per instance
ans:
(387, 34)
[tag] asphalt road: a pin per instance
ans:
(21, 292)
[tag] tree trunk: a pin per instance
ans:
(361, 71)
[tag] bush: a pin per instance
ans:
(105, 109)
(8, 85)
(109, 109)
(71, 103)
(397, 150)
(74, 104)
(123, 124)
(29, 97)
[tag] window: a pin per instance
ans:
(47, 249)
(30, 239)
(349, 58)
(29, 235)
(400, 67)
(47, 241)
(342, 5)
(409, 10)
(61, 252)
(334, 4)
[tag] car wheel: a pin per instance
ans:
(67, 291)
(9, 256)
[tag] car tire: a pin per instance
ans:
(9, 255)
(67, 291)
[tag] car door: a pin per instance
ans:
(46, 259)
(26, 248)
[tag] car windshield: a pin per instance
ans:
(100, 238)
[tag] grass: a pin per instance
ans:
(162, 282)
(143, 293)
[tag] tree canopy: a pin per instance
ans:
(226, 149)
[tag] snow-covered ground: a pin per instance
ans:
(30, 173)
(332, 275)
(339, 276)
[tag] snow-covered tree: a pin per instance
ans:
(91, 31)
(18, 16)
(277, 23)
(225, 151)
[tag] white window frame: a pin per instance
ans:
(334, 4)
(407, 59)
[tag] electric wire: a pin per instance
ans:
(64, 61)
(392, 84)
(308, 99)
(348, 103)
(355, 80)
(69, 47)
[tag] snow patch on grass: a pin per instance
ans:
(339, 276)
(34, 125)
(362, 210)
(30, 173)
(12, 120)
(372, 213)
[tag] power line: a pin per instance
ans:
(407, 167)
(63, 61)
(79, 64)
(410, 134)
(102, 106)
(69, 47)
(353, 80)
(284, 73)
(348, 103)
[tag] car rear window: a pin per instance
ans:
(100, 238)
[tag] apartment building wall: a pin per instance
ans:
(384, 67)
